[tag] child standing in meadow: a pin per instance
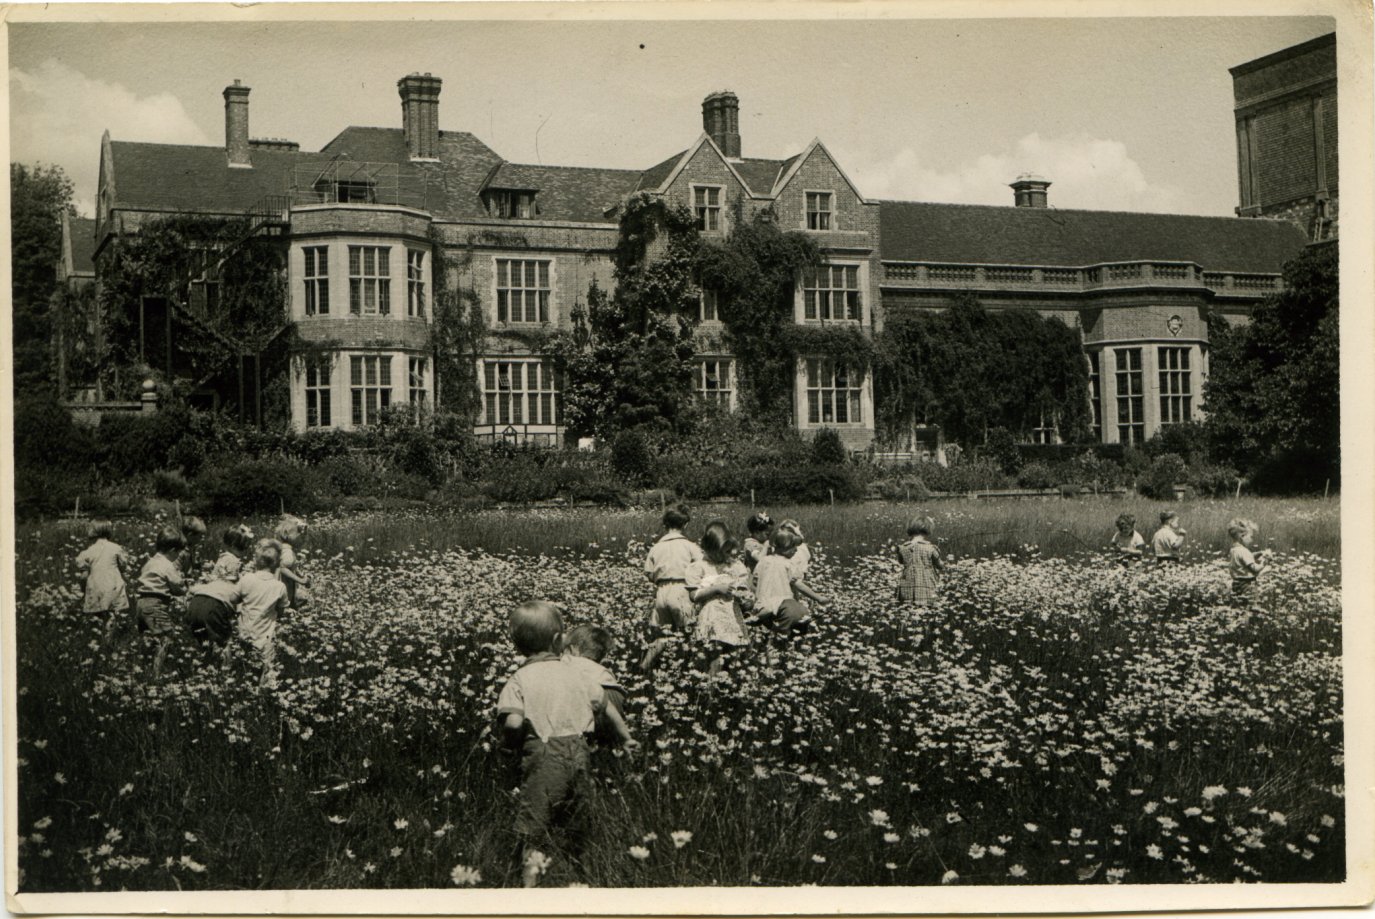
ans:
(776, 588)
(666, 567)
(238, 545)
(1127, 542)
(545, 709)
(263, 598)
(712, 582)
(158, 582)
(921, 564)
(586, 649)
(193, 533)
(1242, 562)
(801, 554)
(291, 534)
(104, 563)
(1168, 541)
(759, 526)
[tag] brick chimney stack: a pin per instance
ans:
(721, 120)
(1030, 190)
(420, 114)
(236, 125)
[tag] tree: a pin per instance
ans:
(628, 362)
(39, 195)
(1273, 395)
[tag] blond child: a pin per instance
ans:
(801, 554)
(1127, 542)
(587, 647)
(193, 533)
(262, 600)
(104, 563)
(713, 583)
(1244, 564)
(921, 564)
(776, 588)
(291, 534)
(545, 710)
(1168, 541)
(158, 582)
(666, 567)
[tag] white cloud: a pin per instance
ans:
(57, 115)
(1085, 172)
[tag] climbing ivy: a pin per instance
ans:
(160, 261)
(627, 361)
(754, 272)
(457, 330)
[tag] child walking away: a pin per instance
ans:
(1127, 542)
(104, 563)
(158, 582)
(587, 648)
(801, 555)
(1168, 541)
(760, 527)
(291, 533)
(712, 582)
(1243, 563)
(210, 614)
(776, 589)
(545, 710)
(666, 567)
(238, 545)
(263, 597)
(921, 564)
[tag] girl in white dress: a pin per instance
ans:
(104, 563)
(715, 584)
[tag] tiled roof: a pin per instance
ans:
(983, 234)
(82, 230)
(449, 189)
(568, 192)
(178, 177)
(654, 176)
(760, 175)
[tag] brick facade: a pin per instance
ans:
(1287, 133)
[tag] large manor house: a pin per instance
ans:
(361, 219)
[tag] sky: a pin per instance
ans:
(1119, 114)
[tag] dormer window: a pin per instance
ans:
(511, 204)
(347, 191)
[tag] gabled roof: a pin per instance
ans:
(653, 177)
(992, 235)
(792, 164)
(179, 177)
(80, 240)
(760, 175)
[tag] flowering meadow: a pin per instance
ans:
(1053, 720)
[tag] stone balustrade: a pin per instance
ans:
(936, 275)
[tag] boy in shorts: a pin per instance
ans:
(545, 710)
(666, 567)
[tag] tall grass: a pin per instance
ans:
(979, 735)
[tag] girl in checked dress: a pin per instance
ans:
(921, 565)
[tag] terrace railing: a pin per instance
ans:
(1109, 275)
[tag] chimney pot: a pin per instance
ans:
(721, 121)
(1030, 190)
(420, 114)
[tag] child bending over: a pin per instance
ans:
(587, 647)
(776, 588)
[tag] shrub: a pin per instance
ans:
(171, 485)
(46, 491)
(45, 437)
(828, 449)
(806, 484)
(1189, 441)
(520, 480)
(346, 474)
(1036, 475)
(631, 458)
(256, 486)
(1167, 471)
(1213, 481)
(143, 443)
(1001, 448)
